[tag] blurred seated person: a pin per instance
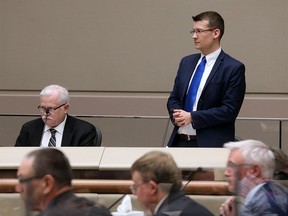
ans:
(157, 185)
(250, 170)
(281, 168)
(44, 185)
(56, 128)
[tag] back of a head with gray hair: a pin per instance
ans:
(256, 152)
(62, 92)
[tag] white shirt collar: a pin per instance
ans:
(160, 203)
(210, 58)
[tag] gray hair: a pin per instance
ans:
(61, 91)
(256, 152)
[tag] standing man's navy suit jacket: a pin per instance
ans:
(219, 103)
(76, 133)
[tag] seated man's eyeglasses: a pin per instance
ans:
(49, 109)
(134, 187)
(236, 166)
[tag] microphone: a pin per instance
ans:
(113, 204)
(191, 177)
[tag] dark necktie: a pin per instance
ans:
(52, 141)
(192, 92)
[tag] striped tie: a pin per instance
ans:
(52, 141)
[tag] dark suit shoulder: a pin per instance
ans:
(70, 204)
(222, 56)
(30, 133)
(78, 122)
(178, 201)
(191, 207)
(229, 58)
(191, 57)
(33, 123)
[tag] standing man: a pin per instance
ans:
(249, 172)
(208, 91)
(45, 178)
(56, 128)
(157, 185)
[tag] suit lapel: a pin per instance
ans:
(214, 69)
(68, 132)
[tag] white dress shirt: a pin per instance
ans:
(210, 61)
(59, 134)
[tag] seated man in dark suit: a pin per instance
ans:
(157, 185)
(45, 178)
(56, 128)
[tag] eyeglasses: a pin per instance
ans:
(199, 31)
(134, 187)
(235, 166)
(49, 109)
(26, 180)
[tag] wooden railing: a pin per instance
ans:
(123, 187)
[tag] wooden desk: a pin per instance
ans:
(123, 187)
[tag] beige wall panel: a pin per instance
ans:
(121, 58)
(136, 105)
(133, 45)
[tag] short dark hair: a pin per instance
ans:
(215, 20)
(52, 161)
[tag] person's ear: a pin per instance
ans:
(153, 187)
(66, 107)
(255, 170)
(216, 33)
(48, 184)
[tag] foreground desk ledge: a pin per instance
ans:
(121, 158)
(79, 157)
(123, 186)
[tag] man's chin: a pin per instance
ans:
(48, 122)
(231, 188)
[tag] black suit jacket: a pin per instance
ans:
(68, 204)
(219, 103)
(177, 204)
(76, 133)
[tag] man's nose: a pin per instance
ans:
(227, 172)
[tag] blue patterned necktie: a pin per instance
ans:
(52, 141)
(192, 92)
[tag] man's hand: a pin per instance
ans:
(228, 207)
(181, 117)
